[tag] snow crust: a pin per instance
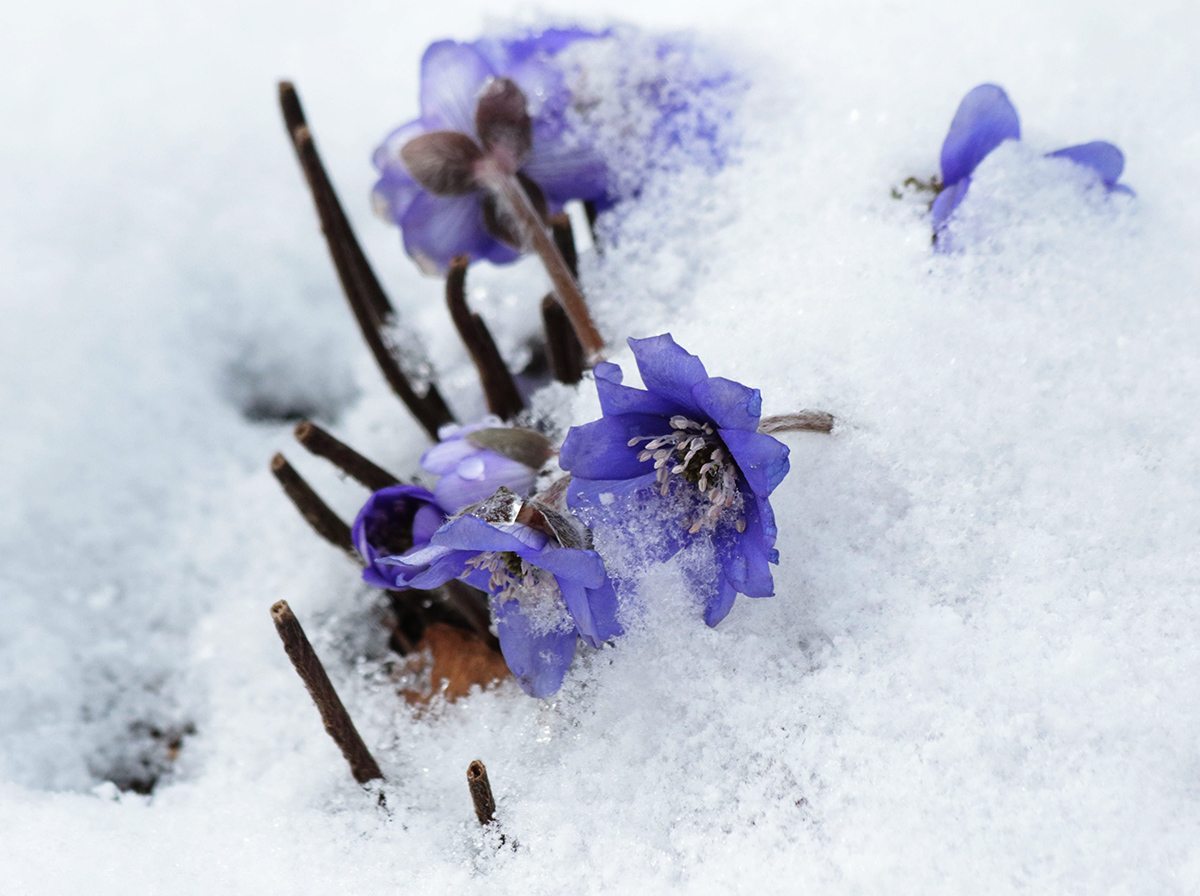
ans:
(981, 668)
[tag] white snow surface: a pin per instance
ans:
(980, 672)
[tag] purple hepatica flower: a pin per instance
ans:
(548, 587)
(473, 461)
(985, 119)
(497, 103)
(692, 437)
(393, 520)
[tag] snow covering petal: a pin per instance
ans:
(538, 660)
(719, 604)
(763, 459)
(1103, 157)
(985, 119)
(601, 493)
(745, 557)
(947, 201)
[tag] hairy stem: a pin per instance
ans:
(499, 388)
(801, 421)
(513, 199)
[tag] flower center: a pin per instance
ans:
(695, 453)
(537, 591)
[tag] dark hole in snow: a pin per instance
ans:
(142, 756)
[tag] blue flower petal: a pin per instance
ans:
(538, 660)
(565, 171)
(728, 404)
(745, 557)
(947, 201)
(477, 478)
(603, 603)
(427, 567)
(426, 521)
(618, 399)
(436, 228)
(719, 604)
(1104, 158)
(601, 449)
(763, 459)
(575, 596)
(469, 533)
(446, 455)
(583, 567)
(985, 119)
(667, 369)
(451, 77)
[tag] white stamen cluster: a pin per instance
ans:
(537, 591)
(694, 452)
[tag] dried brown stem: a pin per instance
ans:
(563, 350)
(324, 521)
(293, 118)
(368, 302)
(481, 793)
(802, 421)
(337, 721)
(342, 456)
(513, 198)
(499, 388)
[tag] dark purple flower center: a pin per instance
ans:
(695, 453)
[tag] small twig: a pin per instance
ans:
(803, 421)
(337, 721)
(367, 300)
(514, 199)
(499, 388)
(324, 521)
(342, 456)
(564, 238)
(563, 350)
(481, 793)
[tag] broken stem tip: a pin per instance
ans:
(481, 793)
(333, 713)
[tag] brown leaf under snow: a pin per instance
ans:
(459, 659)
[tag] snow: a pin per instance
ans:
(980, 669)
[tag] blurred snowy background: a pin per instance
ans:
(981, 670)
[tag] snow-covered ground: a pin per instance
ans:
(981, 669)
